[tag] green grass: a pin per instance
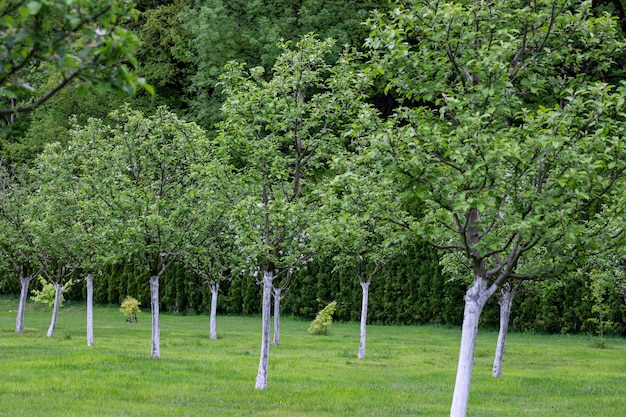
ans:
(409, 370)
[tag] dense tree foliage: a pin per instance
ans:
(279, 136)
(511, 135)
(250, 32)
(184, 48)
(19, 248)
(48, 46)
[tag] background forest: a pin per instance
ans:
(184, 47)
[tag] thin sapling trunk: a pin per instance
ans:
(507, 292)
(58, 291)
(261, 379)
(89, 282)
(154, 307)
(365, 286)
(213, 321)
(277, 298)
(19, 321)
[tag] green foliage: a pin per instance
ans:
(253, 32)
(602, 277)
(130, 308)
(65, 41)
(51, 122)
(323, 319)
(278, 136)
(162, 59)
(143, 180)
(509, 135)
(19, 247)
(47, 293)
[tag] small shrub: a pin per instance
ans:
(48, 292)
(130, 308)
(323, 319)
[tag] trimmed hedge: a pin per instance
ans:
(409, 290)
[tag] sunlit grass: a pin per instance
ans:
(409, 370)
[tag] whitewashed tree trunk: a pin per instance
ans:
(19, 321)
(89, 282)
(261, 378)
(507, 292)
(154, 306)
(277, 298)
(475, 299)
(55, 309)
(213, 322)
(365, 286)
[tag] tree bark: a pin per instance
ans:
(261, 379)
(55, 309)
(475, 299)
(154, 306)
(365, 286)
(277, 298)
(213, 322)
(90, 338)
(19, 321)
(507, 292)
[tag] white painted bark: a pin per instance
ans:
(364, 301)
(58, 290)
(213, 321)
(261, 379)
(475, 299)
(154, 307)
(277, 298)
(505, 300)
(89, 282)
(19, 321)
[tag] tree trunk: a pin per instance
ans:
(154, 306)
(214, 293)
(19, 321)
(89, 281)
(261, 378)
(475, 299)
(507, 292)
(55, 309)
(364, 301)
(277, 298)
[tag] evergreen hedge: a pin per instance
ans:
(409, 290)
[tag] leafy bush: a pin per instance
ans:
(323, 320)
(48, 292)
(130, 308)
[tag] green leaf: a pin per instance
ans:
(34, 7)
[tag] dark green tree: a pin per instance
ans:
(250, 32)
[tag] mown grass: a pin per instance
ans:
(409, 370)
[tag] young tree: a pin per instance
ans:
(143, 171)
(368, 220)
(367, 245)
(602, 275)
(53, 227)
(279, 134)
(212, 255)
(18, 244)
(507, 134)
(280, 286)
(71, 206)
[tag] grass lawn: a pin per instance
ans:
(409, 370)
